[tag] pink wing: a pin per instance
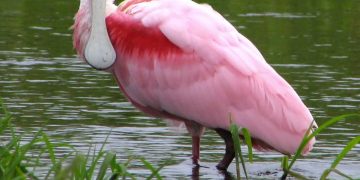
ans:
(185, 59)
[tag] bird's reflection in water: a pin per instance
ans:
(196, 173)
(227, 175)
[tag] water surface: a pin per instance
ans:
(314, 45)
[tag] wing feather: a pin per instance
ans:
(218, 71)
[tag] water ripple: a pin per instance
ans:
(277, 15)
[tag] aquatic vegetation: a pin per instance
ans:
(19, 158)
(342, 154)
(234, 129)
(286, 166)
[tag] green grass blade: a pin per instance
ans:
(121, 169)
(96, 158)
(75, 170)
(285, 162)
(4, 109)
(247, 138)
(235, 136)
(339, 157)
(104, 166)
(307, 138)
(341, 174)
(243, 163)
(50, 148)
(116, 169)
(343, 153)
(81, 164)
(154, 172)
(18, 155)
(58, 167)
(5, 120)
(297, 175)
(234, 130)
(325, 173)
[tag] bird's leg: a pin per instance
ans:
(196, 130)
(195, 149)
(229, 151)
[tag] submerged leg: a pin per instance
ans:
(196, 130)
(229, 150)
(195, 149)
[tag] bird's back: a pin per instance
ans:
(180, 58)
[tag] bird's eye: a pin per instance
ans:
(314, 127)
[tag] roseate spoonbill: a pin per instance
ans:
(183, 61)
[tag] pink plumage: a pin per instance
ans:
(180, 60)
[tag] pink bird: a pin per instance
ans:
(183, 61)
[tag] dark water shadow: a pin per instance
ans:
(256, 170)
(197, 176)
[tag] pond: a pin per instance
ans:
(314, 45)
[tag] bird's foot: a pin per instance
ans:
(221, 166)
(195, 161)
(196, 164)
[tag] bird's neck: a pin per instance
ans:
(98, 50)
(87, 4)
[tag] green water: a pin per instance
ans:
(314, 45)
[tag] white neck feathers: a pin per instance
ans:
(99, 52)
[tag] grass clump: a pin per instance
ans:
(19, 160)
(286, 162)
(16, 162)
(287, 166)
